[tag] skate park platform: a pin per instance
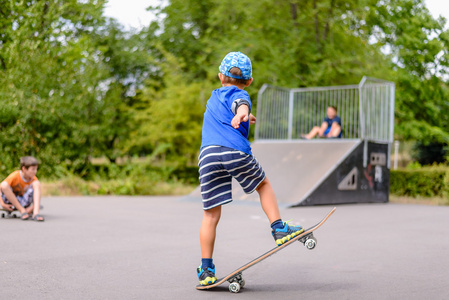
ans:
(325, 171)
(353, 169)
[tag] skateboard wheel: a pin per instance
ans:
(310, 243)
(234, 287)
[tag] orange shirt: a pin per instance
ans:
(18, 185)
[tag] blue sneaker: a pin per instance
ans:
(287, 233)
(206, 277)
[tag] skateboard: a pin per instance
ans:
(12, 214)
(235, 278)
(9, 214)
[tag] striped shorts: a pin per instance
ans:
(218, 165)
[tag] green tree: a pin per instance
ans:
(51, 82)
(129, 62)
(291, 43)
(170, 116)
(418, 46)
(321, 42)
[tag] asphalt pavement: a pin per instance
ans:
(148, 248)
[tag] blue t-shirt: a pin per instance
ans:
(217, 129)
(330, 122)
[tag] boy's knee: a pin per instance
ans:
(263, 184)
(4, 185)
(213, 214)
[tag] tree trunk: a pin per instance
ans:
(44, 12)
(294, 12)
(317, 26)
(329, 17)
(2, 63)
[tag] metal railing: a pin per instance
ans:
(366, 110)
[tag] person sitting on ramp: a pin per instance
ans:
(330, 128)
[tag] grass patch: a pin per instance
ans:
(127, 179)
(419, 200)
(77, 186)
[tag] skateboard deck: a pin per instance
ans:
(235, 278)
(12, 214)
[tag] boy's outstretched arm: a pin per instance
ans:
(242, 115)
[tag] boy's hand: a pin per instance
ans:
(7, 207)
(252, 119)
(238, 119)
(242, 115)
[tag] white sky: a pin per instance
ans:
(439, 7)
(133, 13)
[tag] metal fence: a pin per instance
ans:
(366, 110)
(377, 110)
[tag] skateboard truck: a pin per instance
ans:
(309, 241)
(236, 283)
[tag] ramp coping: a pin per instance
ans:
(316, 141)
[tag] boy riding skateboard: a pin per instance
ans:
(226, 154)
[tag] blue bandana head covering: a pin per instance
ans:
(236, 60)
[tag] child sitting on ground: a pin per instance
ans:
(21, 190)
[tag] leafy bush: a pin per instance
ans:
(126, 179)
(428, 154)
(424, 182)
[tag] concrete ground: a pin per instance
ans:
(148, 248)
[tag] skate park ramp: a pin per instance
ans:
(295, 168)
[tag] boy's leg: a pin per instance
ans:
(216, 190)
(282, 232)
(323, 131)
(268, 200)
(29, 202)
(315, 130)
(206, 272)
(335, 130)
(9, 194)
(249, 173)
(208, 231)
(4, 203)
(37, 199)
(30, 209)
